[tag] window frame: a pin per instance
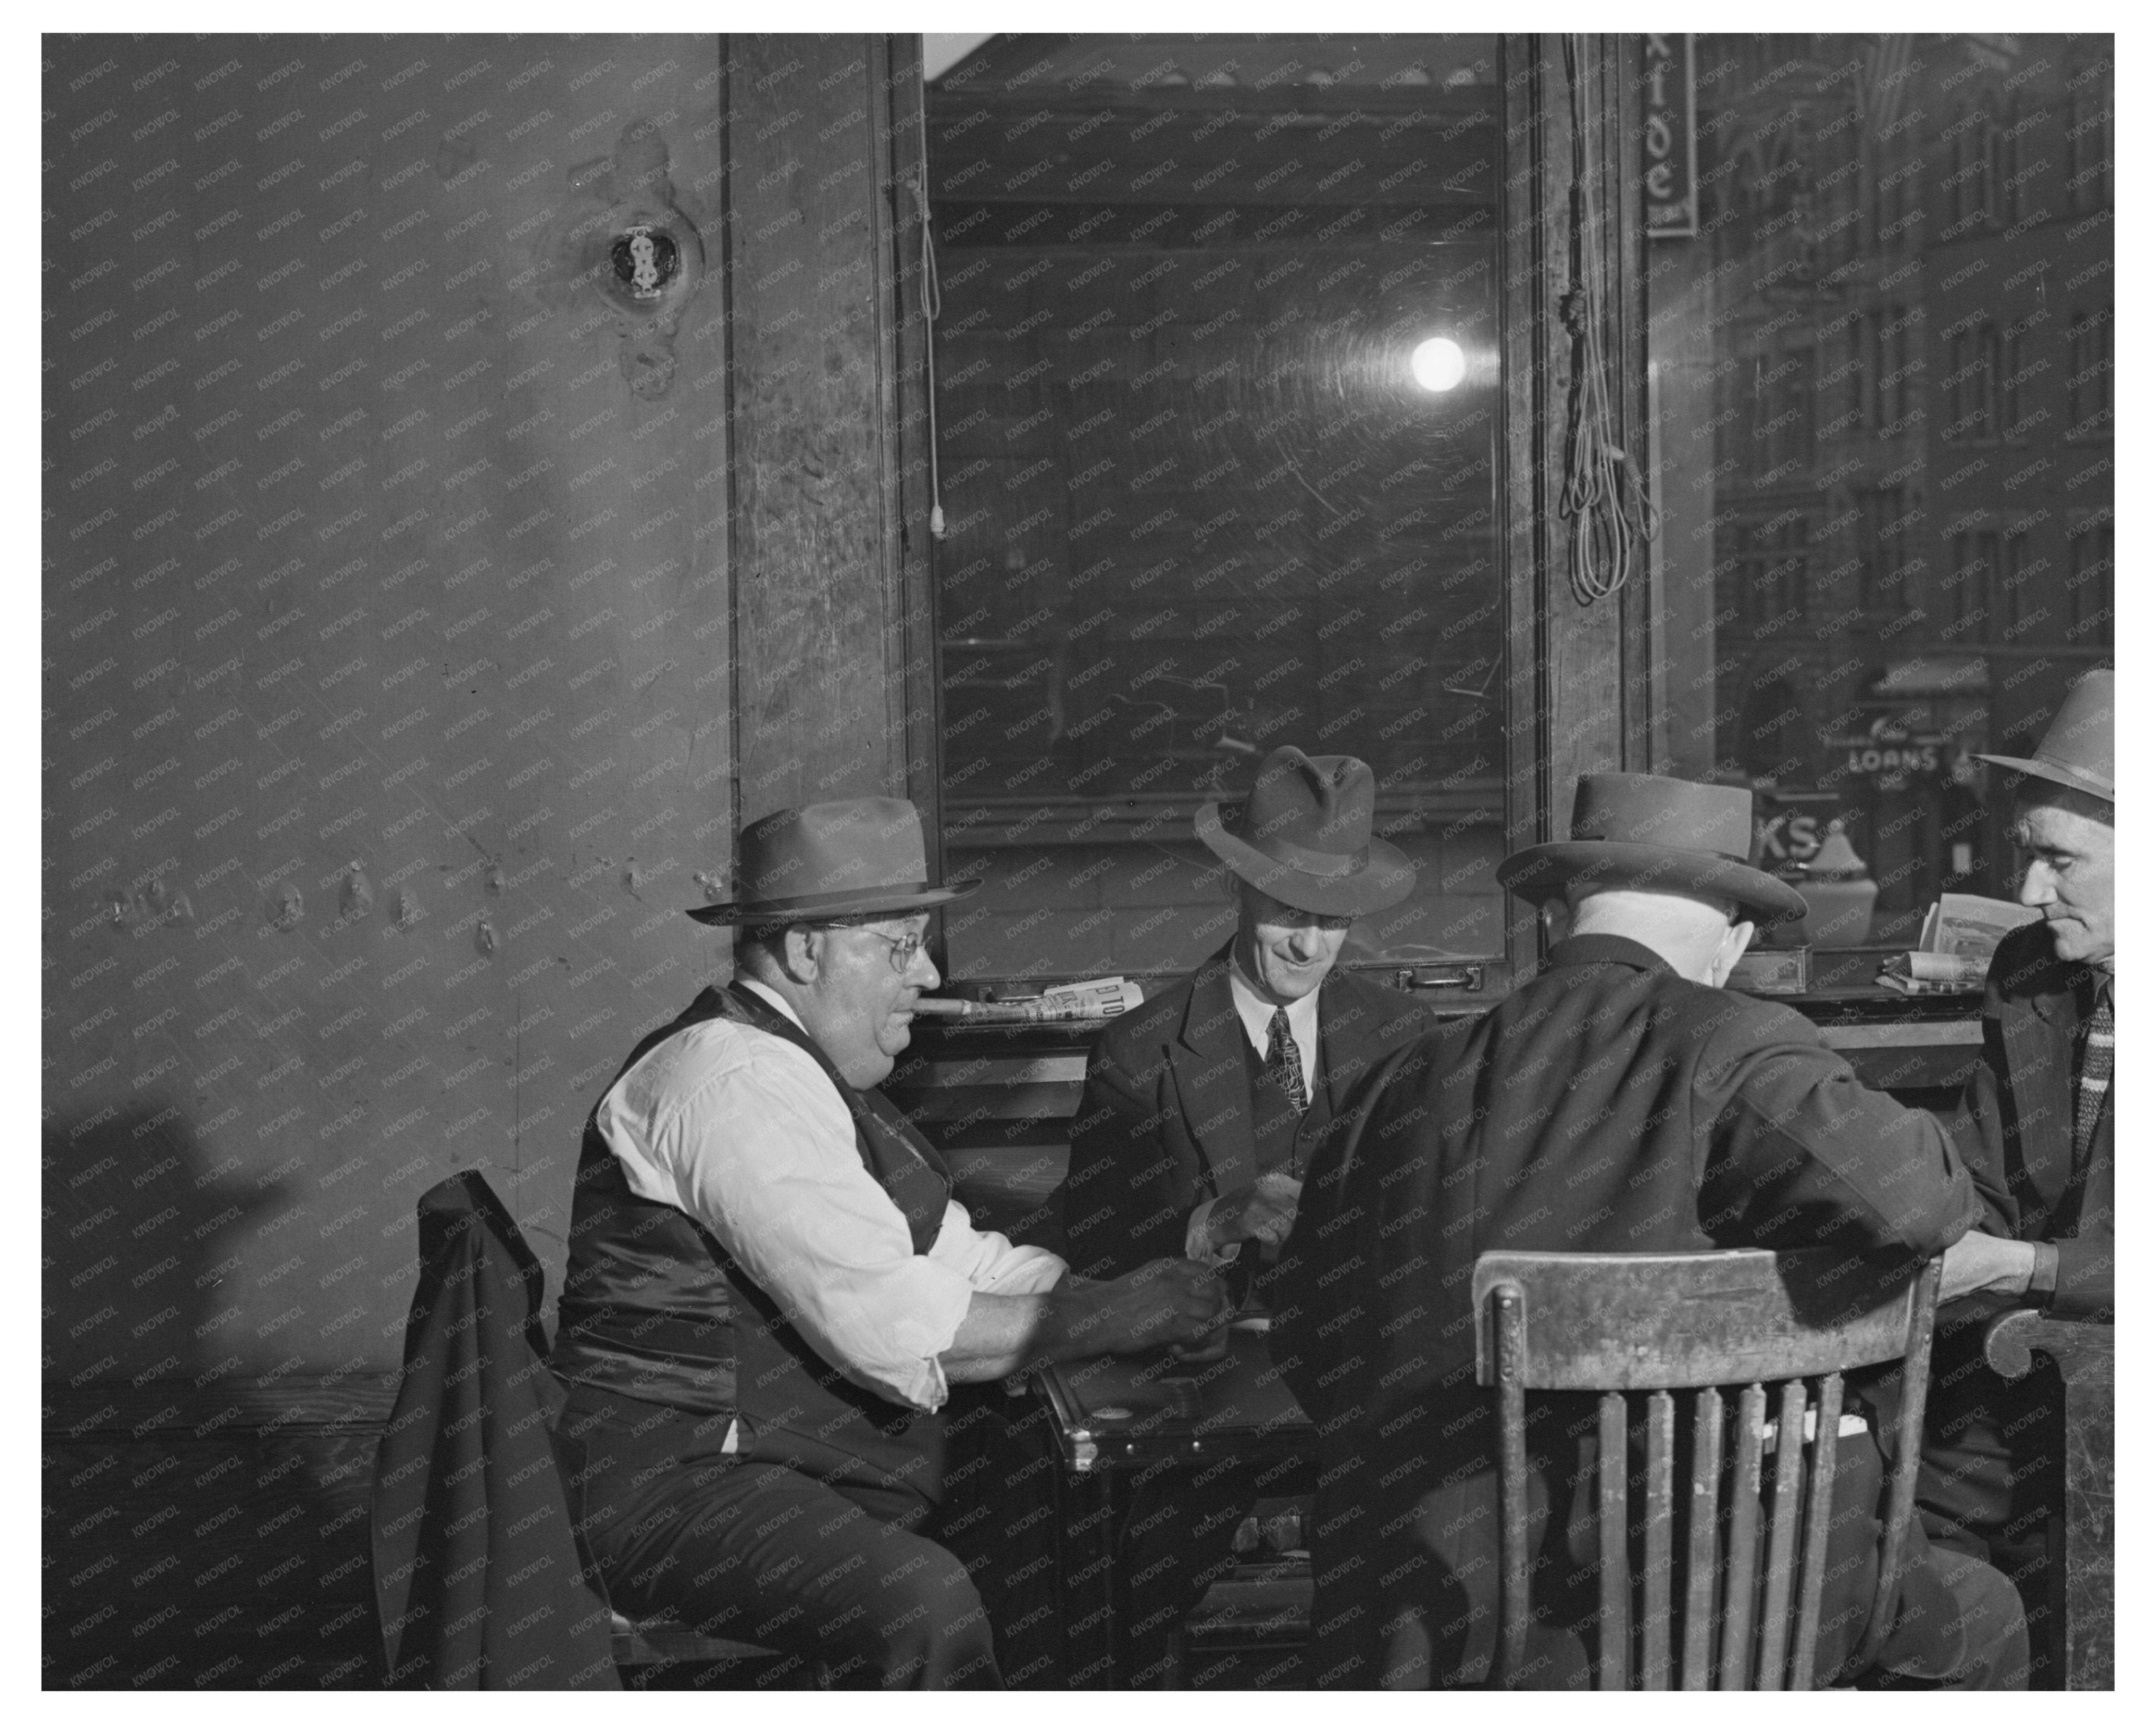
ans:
(1557, 661)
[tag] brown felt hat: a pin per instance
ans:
(1302, 835)
(2077, 750)
(865, 856)
(1655, 834)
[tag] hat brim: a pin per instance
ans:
(1543, 871)
(890, 900)
(1386, 877)
(2052, 771)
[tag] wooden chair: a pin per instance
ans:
(1756, 1322)
(2081, 1577)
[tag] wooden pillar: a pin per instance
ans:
(1581, 678)
(826, 617)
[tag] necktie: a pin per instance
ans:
(2094, 1088)
(1283, 1064)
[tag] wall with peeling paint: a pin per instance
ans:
(387, 672)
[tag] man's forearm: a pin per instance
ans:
(1002, 1333)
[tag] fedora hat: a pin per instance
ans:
(2077, 750)
(1655, 834)
(1302, 835)
(830, 859)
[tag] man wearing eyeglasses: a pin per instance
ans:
(770, 1289)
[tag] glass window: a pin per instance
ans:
(1917, 571)
(2088, 579)
(2020, 570)
(1971, 576)
(1217, 395)
(2088, 132)
(1882, 521)
(2088, 381)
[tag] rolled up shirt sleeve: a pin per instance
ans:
(989, 1262)
(744, 1132)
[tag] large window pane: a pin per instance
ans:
(1217, 398)
(1861, 593)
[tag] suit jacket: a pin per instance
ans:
(2015, 1123)
(1165, 1122)
(1607, 1106)
(1992, 1445)
(478, 1578)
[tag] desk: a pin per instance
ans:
(1119, 1421)
(997, 1100)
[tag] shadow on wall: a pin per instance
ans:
(201, 1526)
(138, 1233)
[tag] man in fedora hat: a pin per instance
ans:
(1617, 1101)
(1202, 1108)
(770, 1289)
(2035, 1127)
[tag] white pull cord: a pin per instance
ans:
(1604, 496)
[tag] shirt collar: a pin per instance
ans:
(772, 999)
(1257, 1013)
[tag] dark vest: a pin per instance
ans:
(654, 1308)
(1282, 1140)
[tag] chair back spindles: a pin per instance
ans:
(1703, 1541)
(1901, 1489)
(1741, 1591)
(1614, 1642)
(1769, 1330)
(1660, 1553)
(1782, 1529)
(1512, 1475)
(1819, 1521)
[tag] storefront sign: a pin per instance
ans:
(1889, 750)
(1671, 169)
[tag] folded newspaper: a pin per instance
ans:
(1961, 932)
(1104, 996)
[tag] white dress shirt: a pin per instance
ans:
(1257, 1015)
(744, 1131)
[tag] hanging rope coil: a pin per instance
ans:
(1605, 496)
(931, 308)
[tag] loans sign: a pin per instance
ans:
(1890, 750)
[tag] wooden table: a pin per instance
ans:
(1119, 1421)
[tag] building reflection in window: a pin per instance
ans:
(1855, 600)
(1217, 398)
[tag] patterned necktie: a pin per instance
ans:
(2094, 1088)
(1283, 1064)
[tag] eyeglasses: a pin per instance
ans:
(903, 951)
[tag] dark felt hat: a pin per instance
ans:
(2077, 750)
(1653, 833)
(1302, 835)
(861, 857)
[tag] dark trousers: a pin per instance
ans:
(1978, 1641)
(1992, 1484)
(738, 1546)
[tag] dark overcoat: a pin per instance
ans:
(1991, 1448)
(1607, 1106)
(1166, 1119)
(2015, 1124)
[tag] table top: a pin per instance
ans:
(1147, 1408)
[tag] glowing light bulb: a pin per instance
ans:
(1438, 364)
